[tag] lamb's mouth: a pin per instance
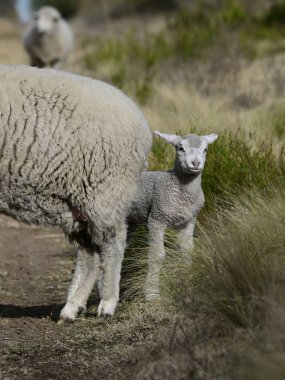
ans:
(194, 170)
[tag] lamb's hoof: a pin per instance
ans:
(107, 307)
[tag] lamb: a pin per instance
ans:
(170, 199)
(48, 39)
(71, 152)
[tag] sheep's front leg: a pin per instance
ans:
(84, 277)
(185, 236)
(156, 254)
(112, 257)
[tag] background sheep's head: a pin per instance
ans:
(46, 20)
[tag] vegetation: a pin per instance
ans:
(68, 8)
(189, 33)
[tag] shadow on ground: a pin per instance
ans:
(38, 311)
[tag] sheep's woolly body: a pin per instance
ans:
(170, 199)
(48, 48)
(71, 149)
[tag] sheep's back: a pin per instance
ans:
(68, 134)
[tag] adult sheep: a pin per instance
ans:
(48, 39)
(71, 151)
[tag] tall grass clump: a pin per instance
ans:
(238, 266)
(233, 165)
(278, 123)
(133, 61)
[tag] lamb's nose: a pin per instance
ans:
(196, 163)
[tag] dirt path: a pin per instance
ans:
(35, 271)
(33, 280)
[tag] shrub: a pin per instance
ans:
(275, 15)
(278, 123)
(237, 269)
(234, 13)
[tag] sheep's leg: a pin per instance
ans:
(185, 237)
(156, 254)
(112, 257)
(130, 231)
(84, 277)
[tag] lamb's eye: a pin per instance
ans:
(55, 20)
(205, 150)
(180, 148)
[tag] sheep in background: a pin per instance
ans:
(170, 199)
(48, 39)
(72, 149)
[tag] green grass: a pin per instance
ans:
(237, 267)
(278, 123)
(190, 33)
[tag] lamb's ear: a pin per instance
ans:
(211, 138)
(171, 139)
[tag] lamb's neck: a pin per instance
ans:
(187, 182)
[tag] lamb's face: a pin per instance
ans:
(191, 150)
(46, 20)
(191, 153)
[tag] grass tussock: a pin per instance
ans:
(237, 268)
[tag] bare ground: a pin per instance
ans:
(142, 341)
(31, 290)
(35, 271)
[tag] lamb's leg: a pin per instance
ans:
(112, 257)
(156, 254)
(84, 277)
(185, 237)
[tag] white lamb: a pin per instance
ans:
(48, 39)
(71, 151)
(170, 199)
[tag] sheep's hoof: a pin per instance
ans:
(69, 313)
(107, 307)
(82, 310)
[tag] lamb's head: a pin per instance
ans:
(46, 20)
(191, 150)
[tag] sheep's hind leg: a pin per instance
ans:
(156, 254)
(84, 277)
(130, 232)
(112, 257)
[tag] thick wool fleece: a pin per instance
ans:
(170, 198)
(71, 150)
